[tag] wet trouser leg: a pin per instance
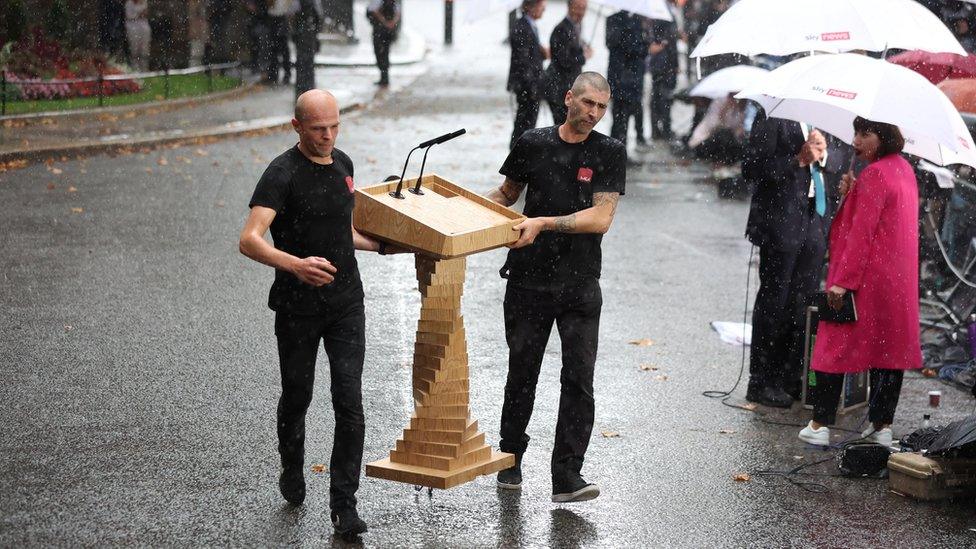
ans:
(825, 395)
(578, 322)
(529, 316)
(621, 111)
(559, 111)
(526, 115)
(306, 44)
(885, 391)
(343, 336)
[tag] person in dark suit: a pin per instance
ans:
(796, 171)
(384, 15)
(569, 53)
(305, 29)
(525, 71)
(628, 49)
(664, 75)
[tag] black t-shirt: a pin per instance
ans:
(313, 205)
(560, 179)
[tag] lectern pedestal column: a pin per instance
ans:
(442, 447)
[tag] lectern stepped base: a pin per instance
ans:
(433, 478)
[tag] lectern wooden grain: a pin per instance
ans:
(442, 446)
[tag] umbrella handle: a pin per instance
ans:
(596, 23)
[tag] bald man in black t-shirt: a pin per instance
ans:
(305, 198)
(573, 177)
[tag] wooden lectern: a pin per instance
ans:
(442, 446)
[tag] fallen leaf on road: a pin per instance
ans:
(750, 406)
(13, 165)
(201, 152)
(741, 477)
(51, 187)
(318, 468)
(661, 377)
(148, 170)
(72, 190)
(77, 210)
(642, 342)
(220, 204)
(929, 372)
(610, 434)
(797, 457)
(68, 328)
(726, 431)
(648, 368)
(57, 171)
(130, 114)
(162, 161)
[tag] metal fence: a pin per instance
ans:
(101, 79)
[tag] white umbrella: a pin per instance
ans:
(477, 9)
(655, 9)
(829, 91)
(783, 27)
(728, 80)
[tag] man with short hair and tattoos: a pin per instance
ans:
(573, 177)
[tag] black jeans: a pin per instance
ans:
(529, 316)
(343, 336)
(885, 390)
(559, 110)
(526, 114)
(787, 279)
(662, 92)
(382, 40)
(306, 45)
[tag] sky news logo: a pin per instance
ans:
(835, 36)
(841, 94)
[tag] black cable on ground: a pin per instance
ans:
(726, 395)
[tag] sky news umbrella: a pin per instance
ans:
(961, 93)
(477, 9)
(655, 9)
(728, 80)
(937, 66)
(958, 439)
(783, 27)
(829, 91)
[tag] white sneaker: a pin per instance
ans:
(817, 437)
(882, 437)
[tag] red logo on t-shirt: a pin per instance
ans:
(349, 183)
(585, 175)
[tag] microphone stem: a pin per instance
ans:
(416, 189)
(399, 187)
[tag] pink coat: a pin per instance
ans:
(874, 253)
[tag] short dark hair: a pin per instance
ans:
(888, 134)
(527, 4)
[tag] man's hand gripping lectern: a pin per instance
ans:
(442, 447)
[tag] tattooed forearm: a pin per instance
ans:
(507, 194)
(565, 224)
(599, 199)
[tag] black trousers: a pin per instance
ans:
(306, 44)
(885, 390)
(526, 114)
(787, 279)
(529, 316)
(662, 90)
(343, 336)
(559, 110)
(280, 55)
(722, 147)
(381, 48)
(622, 111)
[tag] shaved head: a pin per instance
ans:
(314, 100)
(590, 80)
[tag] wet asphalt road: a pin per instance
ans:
(140, 372)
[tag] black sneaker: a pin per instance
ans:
(580, 490)
(347, 523)
(292, 484)
(511, 478)
(769, 396)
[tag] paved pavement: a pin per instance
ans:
(140, 378)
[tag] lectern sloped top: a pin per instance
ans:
(446, 221)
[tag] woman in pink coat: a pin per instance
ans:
(873, 254)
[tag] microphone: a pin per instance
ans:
(425, 145)
(441, 139)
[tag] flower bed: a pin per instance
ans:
(37, 58)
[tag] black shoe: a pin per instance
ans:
(578, 490)
(769, 396)
(292, 484)
(348, 524)
(511, 478)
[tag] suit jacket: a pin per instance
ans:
(566, 62)
(781, 199)
(525, 71)
(664, 64)
(628, 49)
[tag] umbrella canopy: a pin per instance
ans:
(958, 439)
(477, 9)
(937, 66)
(829, 91)
(654, 9)
(783, 27)
(728, 80)
(962, 93)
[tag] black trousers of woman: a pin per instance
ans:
(885, 390)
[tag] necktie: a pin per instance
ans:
(818, 188)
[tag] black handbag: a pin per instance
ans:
(864, 459)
